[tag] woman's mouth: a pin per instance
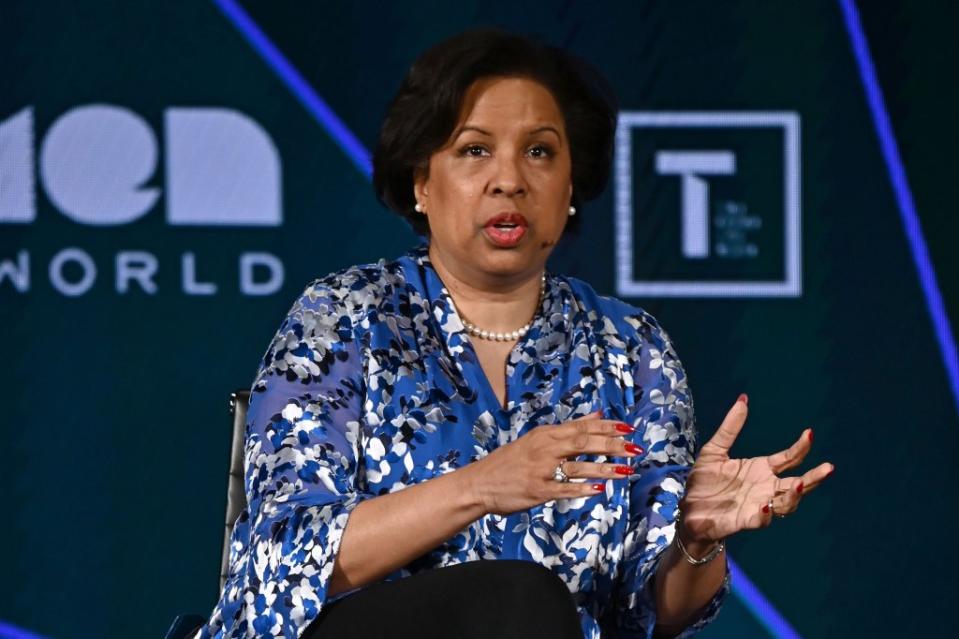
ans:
(506, 229)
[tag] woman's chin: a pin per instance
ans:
(510, 261)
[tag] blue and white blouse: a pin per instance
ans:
(371, 385)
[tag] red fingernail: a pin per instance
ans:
(599, 487)
(799, 488)
(831, 471)
(625, 428)
(766, 508)
(624, 470)
(633, 448)
(743, 398)
(810, 435)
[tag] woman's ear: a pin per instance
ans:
(420, 191)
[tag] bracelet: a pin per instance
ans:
(718, 548)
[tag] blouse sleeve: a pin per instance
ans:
(662, 414)
(302, 444)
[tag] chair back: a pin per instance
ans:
(235, 492)
(185, 626)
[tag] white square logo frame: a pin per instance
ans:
(626, 285)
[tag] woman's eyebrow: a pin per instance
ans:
(546, 128)
(470, 127)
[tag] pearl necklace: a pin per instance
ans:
(509, 336)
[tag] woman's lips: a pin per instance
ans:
(506, 229)
(505, 237)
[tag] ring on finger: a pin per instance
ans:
(559, 474)
(769, 504)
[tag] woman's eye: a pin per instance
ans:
(472, 150)
(541, 151)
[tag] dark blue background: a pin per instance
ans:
(114, 407)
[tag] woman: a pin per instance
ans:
(461, 404)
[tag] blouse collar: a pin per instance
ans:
(550, 332)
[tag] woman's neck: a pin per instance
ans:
(491, 302)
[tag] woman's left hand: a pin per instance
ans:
(724, 496)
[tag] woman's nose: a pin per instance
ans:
(508, 178)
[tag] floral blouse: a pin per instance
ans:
(371, 384)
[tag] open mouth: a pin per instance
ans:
(506, 229)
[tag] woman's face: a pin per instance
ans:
(497, 194)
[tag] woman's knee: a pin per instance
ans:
(507, 599)
(529, 598)
(525, 578)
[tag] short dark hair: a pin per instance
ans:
(424, 111)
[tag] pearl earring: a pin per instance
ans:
(418, 207)
(572, 210)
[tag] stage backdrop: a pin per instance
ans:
(172, 174)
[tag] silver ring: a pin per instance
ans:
(559, 475)
(777, 515)
(773, 510)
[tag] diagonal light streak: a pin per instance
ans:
(900, 186)
(757, 604)
(743, 588)
(8, 631)
(298, 85)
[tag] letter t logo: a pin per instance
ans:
(695, 191)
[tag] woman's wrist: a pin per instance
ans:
(470, 488)
(692, 547)
(699, 553)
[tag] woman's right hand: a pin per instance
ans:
(519, 475)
